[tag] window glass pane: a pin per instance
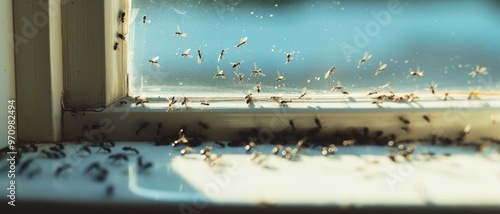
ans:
(417, 43)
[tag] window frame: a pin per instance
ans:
(76, 102)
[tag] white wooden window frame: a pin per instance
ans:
(81, 79)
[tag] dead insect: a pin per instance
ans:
(33, 147)
(86, 149)
(92, 167)
(345, 92)
(248, 98)
(132, 149)
(405, 121)
(101, 175)
(318, 122)
(365, 58)
(258, 87)
(446, 94)
(159, 126)
(104, 147)
(61, 169)
(280, 77)
(380, 68)
(141, 127)
(219, 144)
(122, 102)
(141, 101)
(143, 166)
(432, 87)
(292, 124)
(479, 70)
(239, 76)
(25, 165)
(426, 118)
(182, 138)
(205, 103)
(277, 149)
(257, 71)
(416, 73)
(220, 73)
(144, 20)
(59, 145)
(284, 102)
(410, 97)
(242, 42)
(392, 158)
(405, 128)
(289, 57)
(249, 146)
(473, 94)
(377, 103)
(385, 85)
(120, 36)
(350, 142)
(199, 57)
(236, 64)
(206, 150)
(108, 143)
(172, 102)
(117, 157)
(329, 72)
(180, 33)
(186, 150)
(303, 93)
(330, 150)
(371, 93)
(55, 149)
(221, 55)
(204, 125)
(115, 46)
(287, 153)
(337, 87)
(122, 16)
(154, 61)
(187, 53)
(184, 102)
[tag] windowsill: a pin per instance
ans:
(227, 117)
(320, 103)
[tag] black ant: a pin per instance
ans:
(104, 147)
(121, 36)
(159, 126)
(62, 169)
(127, 148)
(86, 149)
(121, 16)
(143, 166)
(141, 127)
(25, 165)
(117, 157)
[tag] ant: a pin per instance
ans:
(132, 149)
(143, 166)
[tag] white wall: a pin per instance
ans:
(6, 66)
